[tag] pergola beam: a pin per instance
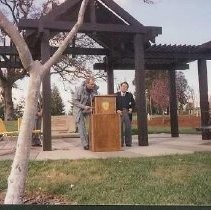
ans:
(7, 50)
(9, 64)
(86, 27)
(177, 55)
(101, 66)
(172, 57)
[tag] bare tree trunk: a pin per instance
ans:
(20, 164)
(8, 103)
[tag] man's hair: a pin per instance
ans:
(124, 83)
(88, 79)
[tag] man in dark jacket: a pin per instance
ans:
(125, 104)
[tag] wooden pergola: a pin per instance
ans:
(126, 44)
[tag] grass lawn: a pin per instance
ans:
(176, 179)
(11, 125)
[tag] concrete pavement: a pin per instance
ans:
(70, 148)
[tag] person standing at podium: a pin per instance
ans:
(82, 107)
(125, 104)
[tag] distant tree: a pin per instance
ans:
(160, 93)
(151, 75)
(191, 101)
(74, 67)
(182, 89)
(57, 105)
(189, 107)
(19, 109)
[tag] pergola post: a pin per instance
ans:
(110, 75)
(140, 90)
(173, 104)
(203, 91)
(46, 94)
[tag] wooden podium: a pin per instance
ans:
(105, 125)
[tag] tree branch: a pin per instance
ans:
(22, 48)
(69, 37)
(11, 8)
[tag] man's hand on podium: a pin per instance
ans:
(119, 112)
(87, 108)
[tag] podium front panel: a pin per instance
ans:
(105, 104)
(105, 132)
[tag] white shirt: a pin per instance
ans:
(123, 94)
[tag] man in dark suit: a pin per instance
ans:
(125, 104)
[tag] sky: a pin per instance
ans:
(182, 21)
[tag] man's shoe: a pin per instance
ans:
(37, 145)
(86, 147)
(128, 145)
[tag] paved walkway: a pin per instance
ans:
(70, 148)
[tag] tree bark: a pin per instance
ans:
(17, 178)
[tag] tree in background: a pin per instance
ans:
(56, 100)
(182, 89)
(57, 105)
(151, 75)
(191, 101)
(189, 107)
(159, 93)
(19, 109)
(155, 84)
(74, 67)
